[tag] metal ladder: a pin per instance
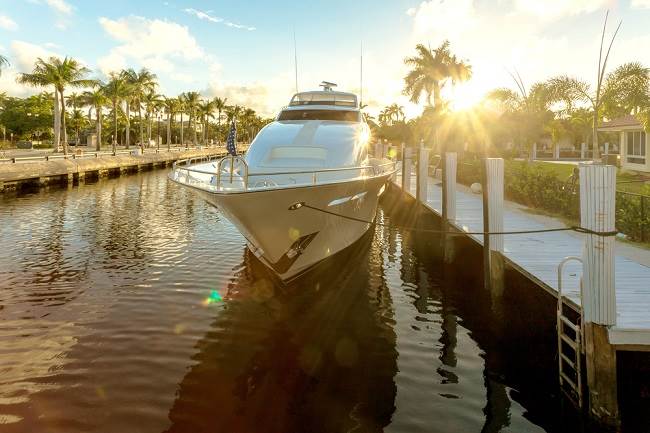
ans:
(569, 336)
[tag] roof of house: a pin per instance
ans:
(626, 122)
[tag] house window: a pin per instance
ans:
(635, 147)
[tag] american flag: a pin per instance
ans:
(231, 141)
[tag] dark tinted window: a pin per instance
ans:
(340, 115)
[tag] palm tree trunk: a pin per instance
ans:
(63, 128)
(596, 150)
(57, 122)
(141, 128)
(99, 129)
(437, 100)
(219, 128)
(127, 138)
(193, 126)
(169, 131)
(149, 120)
(182, 139)
(115, 122)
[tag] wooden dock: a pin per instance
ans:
(538, 255)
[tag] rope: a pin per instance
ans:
(578, 229)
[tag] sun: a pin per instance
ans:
(464, 97)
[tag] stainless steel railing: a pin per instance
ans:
(244, 176)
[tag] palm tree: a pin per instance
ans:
(60, 74)
(4, 63)
(77, 121)
(432, 69)
(172, 106)
(96, 99)
(116, 90)
(192, 100)
(141, 83)
(624, 91)
(153, 102)
(182, 107)
(206, 110)
(219, 105)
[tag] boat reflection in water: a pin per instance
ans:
(318, 358)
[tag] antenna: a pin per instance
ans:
(295, 57)
(361, 77)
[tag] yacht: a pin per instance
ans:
(305, 189)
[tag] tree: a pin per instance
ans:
(182, 107)
(141, 82)
(220, 106)
(77, 122)
(97, 100)
(59, 74)
(172, 106)
(431, 71)
(192, 100)
(116, 90)
(153, 102)
(626, 90)
(206, 111)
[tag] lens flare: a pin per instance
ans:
(213, 298)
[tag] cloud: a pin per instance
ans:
(560, 8)
(640, 4)
(60, 6)
(153, 43)
(7, 23)
(23, 55)
(206, 16)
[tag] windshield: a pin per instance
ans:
(340, 115)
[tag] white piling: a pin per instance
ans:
(449, 205)
(597, 212)
(423, 175)
(556, 151)
(534, 153)
(407, 167)
(493, 222)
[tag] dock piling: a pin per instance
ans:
(597, 212)
(493, 222)
(407, 166)
(422, 176)
(449, 162)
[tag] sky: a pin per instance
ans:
(244, 50)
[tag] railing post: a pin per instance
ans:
(423, 175)
(407, 166)
(493, 222)
(448, 205)
(597, 212)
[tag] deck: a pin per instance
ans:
(538, 255)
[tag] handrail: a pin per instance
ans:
(183, 165)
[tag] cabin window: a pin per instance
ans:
(337, 115)
(294, 152)
(636, 143)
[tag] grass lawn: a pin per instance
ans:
(563, 171)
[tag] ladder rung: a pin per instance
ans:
(571, 362)
(569, 381)
(573, 344)
(569, 323)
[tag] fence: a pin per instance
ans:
(87, 155)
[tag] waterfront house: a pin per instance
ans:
(633, 141)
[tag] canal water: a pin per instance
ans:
(130, 305)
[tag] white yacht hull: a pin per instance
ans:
(289, 242)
